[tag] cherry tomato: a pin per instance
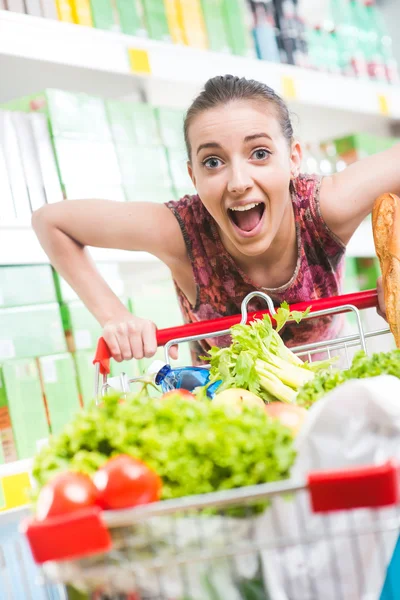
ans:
(181, 393)
(65, 493)
(124, 482)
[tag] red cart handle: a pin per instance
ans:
(361, 300)
(357, 487)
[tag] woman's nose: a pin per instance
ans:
(239, 181)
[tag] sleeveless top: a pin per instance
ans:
(222, 285)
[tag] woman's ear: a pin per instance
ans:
(190, 171)
(296, 156)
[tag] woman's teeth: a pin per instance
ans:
(247, 207)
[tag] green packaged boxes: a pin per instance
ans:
(142, 160)
(59, 384)
(156, 20)
(145, 171)
(86, 162)
(13, 185)
(85, 158)
(355, 147)
(238, 29)
(133, 123)
(81, 328)
(217, 33)
(170, 123)
(24, 418)
(351, 281)
(179, 173)
(131, 17)
(26, 285)
(109, 271)
(69, 114)
(350, 286)
(104, 15)
(368, 271)
(30, 331)
(85, 372)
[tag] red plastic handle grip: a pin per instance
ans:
(68, 536)
(360, 300)
(363, 487)
(102, 356)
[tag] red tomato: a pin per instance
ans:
(290, 415)
(124, 482)
(65, 493)
(181, 393)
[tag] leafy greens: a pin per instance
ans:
(382, 363)
(195, 447)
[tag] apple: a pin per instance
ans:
(180, 393)
(237, 397)
(290, 415)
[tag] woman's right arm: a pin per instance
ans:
(65, 228)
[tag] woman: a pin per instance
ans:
(256, 223)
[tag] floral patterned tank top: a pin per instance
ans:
(222, 285)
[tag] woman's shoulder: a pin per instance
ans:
(306, 187)
(315, 232)
(189, 208)
(197, 227)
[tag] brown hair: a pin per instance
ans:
(226, 88)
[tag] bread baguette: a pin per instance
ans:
(386, 230)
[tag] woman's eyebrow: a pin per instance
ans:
(248, 138)
(208, 145)
(256, 136)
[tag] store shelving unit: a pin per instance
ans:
(36, 53)
(122, 63)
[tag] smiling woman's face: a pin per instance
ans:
(241, 165)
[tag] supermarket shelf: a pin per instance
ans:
(19, 466)
(19, 245)
(37, 53)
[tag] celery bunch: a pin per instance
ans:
(258, 360)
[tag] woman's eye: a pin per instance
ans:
(212, 163)
(261, 154)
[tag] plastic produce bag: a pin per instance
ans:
(343, 554)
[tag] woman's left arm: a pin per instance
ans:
(346, 198)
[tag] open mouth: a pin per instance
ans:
(248, 217)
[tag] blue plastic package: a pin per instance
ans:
(186, 378)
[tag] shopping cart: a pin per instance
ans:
(333, 535)
(325, 307)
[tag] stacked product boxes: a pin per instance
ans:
(47, 343)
